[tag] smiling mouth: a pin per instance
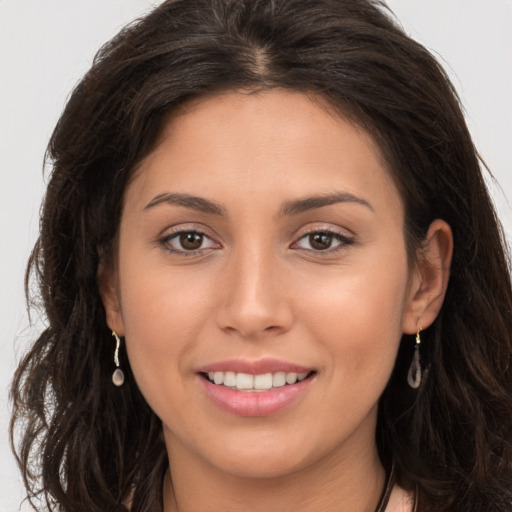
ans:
(262, 382)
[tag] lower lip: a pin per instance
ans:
(255, 403)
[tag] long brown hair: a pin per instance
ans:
(87, 446)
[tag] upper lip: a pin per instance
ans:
(254, 367)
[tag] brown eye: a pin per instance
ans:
(320, 241)
(191, 241)
(329, 242)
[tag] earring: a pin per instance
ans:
(118, 375)
(414, 374)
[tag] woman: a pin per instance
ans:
(273, 276)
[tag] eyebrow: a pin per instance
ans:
(289, 208)
(193, 202)
(311, 203)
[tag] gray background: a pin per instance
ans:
(46, 45)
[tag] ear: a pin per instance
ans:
(108, 286)
(429, 279)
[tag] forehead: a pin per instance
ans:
(268, 114)
(280, 140)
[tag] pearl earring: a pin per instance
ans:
(414, 374)
(118, 375)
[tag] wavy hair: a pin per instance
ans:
(85, 446)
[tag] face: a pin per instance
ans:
(262, 283)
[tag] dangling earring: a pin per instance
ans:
(118, 375)
(414, 374)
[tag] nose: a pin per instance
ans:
(254, 301)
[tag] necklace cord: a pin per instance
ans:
(386, 493)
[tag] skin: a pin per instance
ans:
(257, 287)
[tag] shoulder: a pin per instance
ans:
(400, 500)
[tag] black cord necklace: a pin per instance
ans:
(386, 493)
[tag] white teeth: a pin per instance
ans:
(244, 381)
(291, 378)
(278, 379)
(230, 379)
(262, 382)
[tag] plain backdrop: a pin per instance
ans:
(46, 45)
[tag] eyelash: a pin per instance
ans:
(167, 240)
(344, 241)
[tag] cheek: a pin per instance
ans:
(163, 316)
(357, 316)
(358, 330)
(159, 301)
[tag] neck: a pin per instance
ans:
(340, 482)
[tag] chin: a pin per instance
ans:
(258, 459)
(261, 467)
